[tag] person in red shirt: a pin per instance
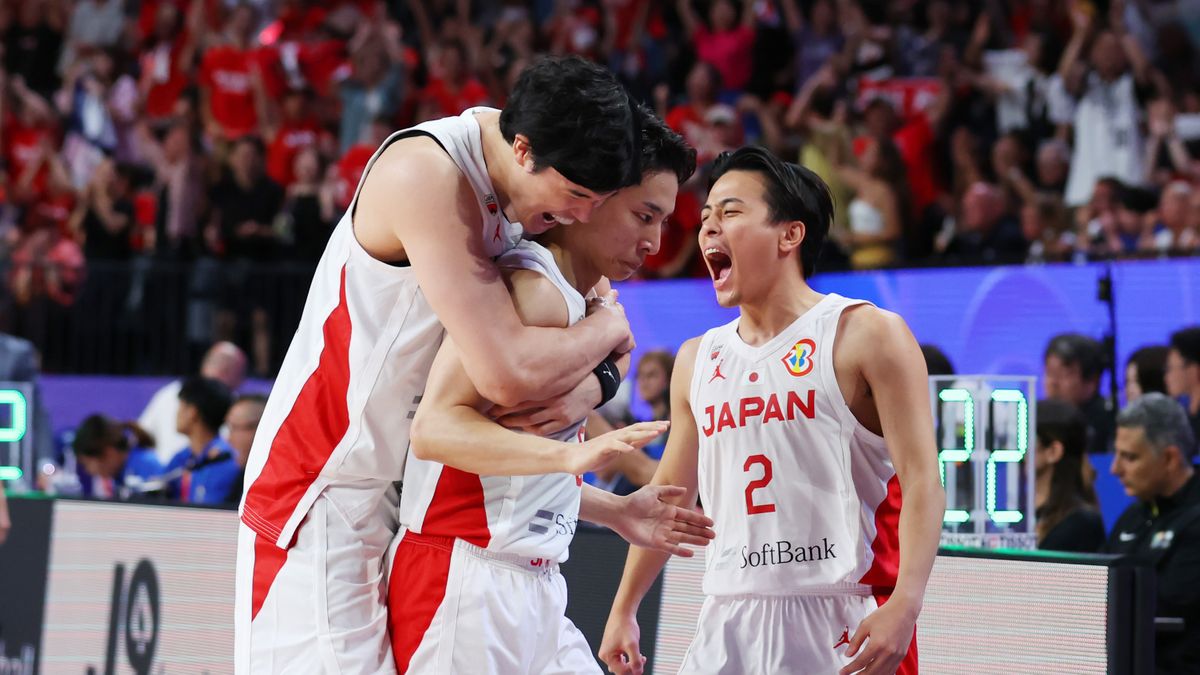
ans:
(352, 164)
(708, 126)
(676, 256)
(725, 42)
(454, 88)
(166, 60)
(230, 82)
(297, 129)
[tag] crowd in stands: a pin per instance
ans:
(224, 139)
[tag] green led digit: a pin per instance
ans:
(962, 454)
(1007, 455)
(15, 431)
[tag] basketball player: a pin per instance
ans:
(489, 513)
(413, 254)
(800, 424)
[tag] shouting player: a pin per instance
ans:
(412, 254)
(488, 513)
(800, 424)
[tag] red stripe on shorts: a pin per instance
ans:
(416, 589)
(886, 545)
(909, 665)
(268, 560)
(457, 509)
(312, 429)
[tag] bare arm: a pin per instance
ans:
(415, 178)
(891, 365)
(792, 15)
(1081, 23)
(687, 16)
(450, 427)
(620, 649)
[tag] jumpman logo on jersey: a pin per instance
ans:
(496, 237)
(845, 639)
(717, 373)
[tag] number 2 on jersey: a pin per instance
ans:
(751, 507)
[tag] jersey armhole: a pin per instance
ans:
(411, 133)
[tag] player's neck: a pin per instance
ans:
(765, 317)
(575, 268)
(497, 158)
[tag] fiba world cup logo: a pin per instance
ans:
(799, 360)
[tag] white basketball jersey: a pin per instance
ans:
(804, 498)
(342, 405)
(532, 516)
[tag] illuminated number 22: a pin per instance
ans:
(995, 455)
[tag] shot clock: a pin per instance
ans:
(16, 441)
(984, 425)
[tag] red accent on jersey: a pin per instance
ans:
(310, 432)
(268, 560)
(457, 508)
(416, 590)
(717, 373)
(753, 406)
(886, 546)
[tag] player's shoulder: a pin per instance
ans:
(538, 301)
(685, 358)
(415, 162)
(866, 332)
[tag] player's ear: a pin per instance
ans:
(523, 153)
(791, 236)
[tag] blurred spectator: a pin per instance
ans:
(877, 213)
(103, 219)
(726, 41)
(986, 232)
(231, 85)
(1073, 366)
(179, 189)
(95, 25)
(1046, 227)
(117, 458)
(1110, 88)
(452, 88)
(1167, 156)
(1155, 449)
(1068, 515)
(309, 209)
(376, 87)
(205, 469)
(1170, 227)
(633, 470)
(19, 363)
(244, 206)
(242, 422)
(698, 116)
(223, 362)
(936, 361)
(1182, 375)
(298, 128)
(816, 38)
(33, 43)
(166, 59)
(1145, 372)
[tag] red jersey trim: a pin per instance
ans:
(309, 434)
(457, 508)
(886, 545)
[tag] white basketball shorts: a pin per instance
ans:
(792, 634)
(457, 608)
(320, 606)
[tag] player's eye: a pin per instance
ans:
(645, 218)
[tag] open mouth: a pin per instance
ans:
(551, 220)
(720, 265)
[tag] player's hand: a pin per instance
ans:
(647, 520)
(580, 458)
(607, 306)
(5, 525)
(619, 649)
(543, 418)
(888, 632)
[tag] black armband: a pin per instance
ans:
(610, 379)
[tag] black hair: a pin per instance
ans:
(97, 432)
(1186, 341)
(793, 193)
(251, 398)
(1071, 484)
(663, 149)
(579, 121)
(1151, 364)
(1074, 349)
(253, 141)
(210, 397)
(936, 361)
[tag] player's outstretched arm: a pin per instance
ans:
(891, 363)
(415, 205)
(620, 649)
(450, 426)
